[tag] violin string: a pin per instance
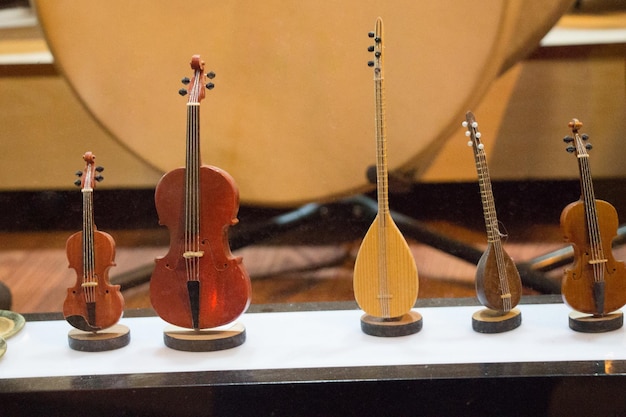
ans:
(192, 227)
(595, 241)
(88, 247)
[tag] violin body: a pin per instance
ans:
(385, 282)
(578, 281)
(489, 280)
(223, 283)
(108, 306)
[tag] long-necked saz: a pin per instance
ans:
(385, 275)
(92, 304)
(198, 284)
(497, 280)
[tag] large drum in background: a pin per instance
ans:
(292, 114)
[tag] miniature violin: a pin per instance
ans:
(385, 276)
(498, 283)
(596, 283)
(198, 284)
(92, 304)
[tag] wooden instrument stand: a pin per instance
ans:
(587, 323)
(114, 337)
(487, 320)
(410, 323)
(204, 340)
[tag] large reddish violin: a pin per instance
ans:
(595, 283)
(92, 304)
(498, 283)
(199, 283)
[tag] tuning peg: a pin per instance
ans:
(99, 168)
(210, 75)
(570, 149)
(79, 173)
(210, 86)
(370, 63)
(568, 139)
(588, 146)
(370, 48)
(77, 183)
(185, 80)
(371, 34)
(182, 92)
(584, 136)
(98, 178)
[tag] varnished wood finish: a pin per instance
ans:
(385, 274)
(385, 284)
(92, 304)
(596, 282)
(498, 283)
(199, 283)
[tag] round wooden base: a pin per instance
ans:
(398, 326)
(493, 321)
(114, 337)
(587, 323)
(205, 340)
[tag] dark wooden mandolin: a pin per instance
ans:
(198, 284)
(92, 304)
(595, 283)
(498, 283)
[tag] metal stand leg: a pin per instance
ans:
(5, 297)
(351, 217)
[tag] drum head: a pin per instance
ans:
(292, 115)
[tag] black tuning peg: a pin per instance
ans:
(77, 183)
(570, 149)
(588, 146)
(98, 178)
(185, 80)
(370, 63)
(79, 173)
(210, 75)
(584, 136)
(210, 86)
(370, 48)
(377, 54)
(568, 139)
(182, 92)
(99, 168)
(371, 34)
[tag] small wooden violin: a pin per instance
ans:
(92, 304)
(595, 283)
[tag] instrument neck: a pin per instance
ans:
(589, 200)
(381, 146)
(192, 171)
(486, 194)
(88, 235)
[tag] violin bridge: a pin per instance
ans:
(193, 254)
(503, 296)
(597, 261)
(89, 284)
